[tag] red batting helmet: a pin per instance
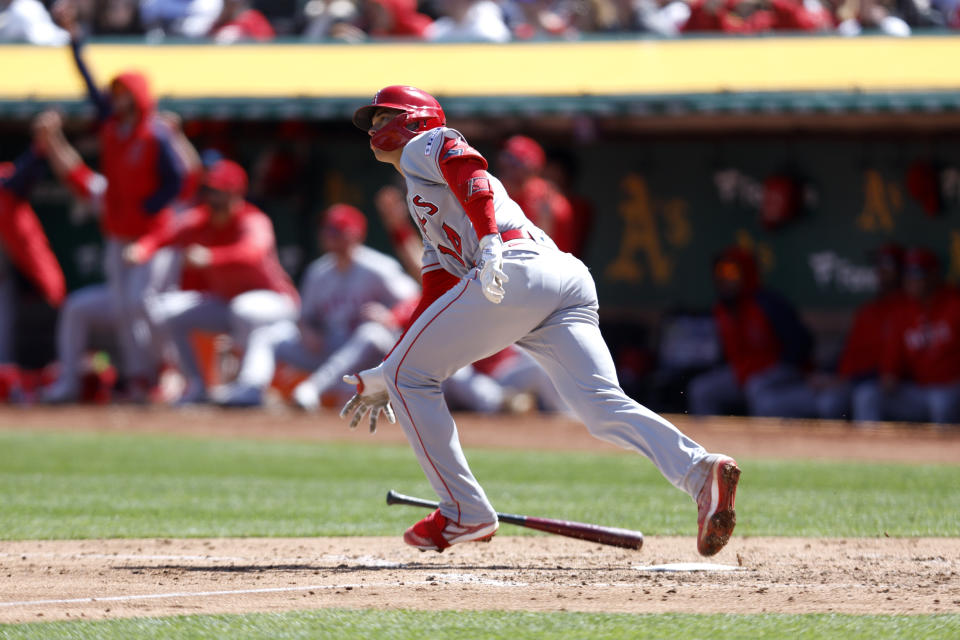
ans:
(419, 111)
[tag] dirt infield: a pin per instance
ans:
(114, 578)
(48, 580)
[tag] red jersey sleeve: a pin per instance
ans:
(86, 183)
(175, 232)
(465, 171)
(254, 242)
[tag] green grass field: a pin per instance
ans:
(84, 485)
(338, 624)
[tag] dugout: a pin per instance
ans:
(677, 145)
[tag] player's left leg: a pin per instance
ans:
(781, 392)
(572, 351)
(259, 320)
(460, 327)
(177, 314)
(8, 307)
(569, 346)
(944, 403)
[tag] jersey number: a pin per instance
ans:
(448, 231)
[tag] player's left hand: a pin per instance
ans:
(492, 277)
(198, 256)
(371, 396)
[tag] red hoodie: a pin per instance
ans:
(26, 244)
(244, 253)
(868, 335)
(758, 329)
(129, 161)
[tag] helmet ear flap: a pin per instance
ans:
(395, 133)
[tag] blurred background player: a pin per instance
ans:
(345, 320)
(860, 360)
(920, 367)
(521, 163)
(766, 347)
(237, 283)
(24, 247)
(94, 307)
(143, 177)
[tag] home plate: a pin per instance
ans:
(687, 566)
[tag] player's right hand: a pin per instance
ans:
(134, 254)
(492, 277)
(64, 14)
(371, 396)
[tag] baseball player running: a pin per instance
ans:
(491, 278)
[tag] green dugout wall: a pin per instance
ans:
(663, 207)
(680, 136)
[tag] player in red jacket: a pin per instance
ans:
(860, 360)
(920, 364)
(93, 307)
(143, 175)
(239, 284)
(765, 345)
(24, 244)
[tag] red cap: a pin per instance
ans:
(227, 175)
(346, 219)
(526, 151)
(922, 259)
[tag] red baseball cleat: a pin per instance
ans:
(716, 517)
(436, 533)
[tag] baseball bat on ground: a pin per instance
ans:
(591, 532)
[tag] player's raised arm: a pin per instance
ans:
(64, 13)
(64, 160)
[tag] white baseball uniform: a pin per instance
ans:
(331, 306)
(549, 309)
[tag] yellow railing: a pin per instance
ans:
(622, 67)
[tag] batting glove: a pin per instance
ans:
(371, 396)
(492, 277)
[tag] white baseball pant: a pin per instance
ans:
(178, 313)
(550, 309)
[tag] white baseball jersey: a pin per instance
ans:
(332, 298)
(449, 239)
(549, 310)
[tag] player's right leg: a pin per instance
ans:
(460, 327)
(177, 314)
(365, 348)
(84, 309)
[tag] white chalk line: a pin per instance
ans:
(188, 594)
(120, 556)
(445, 577)
(368, 560)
